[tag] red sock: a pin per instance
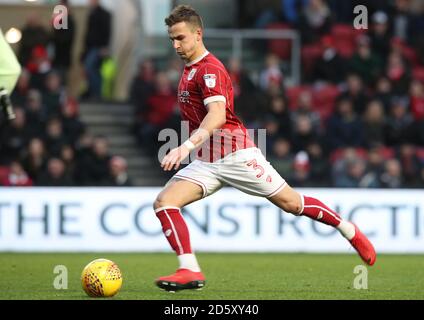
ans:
(316, 210)
(174, 229)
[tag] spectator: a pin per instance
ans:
(272, 74)
(246, 100)
(355, 176)
(33, 34)
(364, 62)
(319, 166)
(399, 123)
(306, 108)
(19, 95)
(14, 138)
(67, 155)
(53, 94)
(72, 126)
(97, 40)
(93, 167)
(380, 35)
(39, 66)
(63, 40)
(421, 177)
(17, 177)
(55, 176)
(383, 93)
(410, 164)
(290, 10)
(402, 20)
(303, 134)
(267, 13)
(281, 158)
(344, 128)
(118, 176)
(272, 127)
(314, 21)
(375, 165)
(279, 110)
(142, 86)
(301, 170)
(392, 175)
(54, 137)
(398, 73)
(35, 159)
(356, 92)
(83, 154)
(35, 113)
(416, 93)
(239, 78)
(173, 72)
(373, 125)
(417, 109)
(330, 67)
(161, 106)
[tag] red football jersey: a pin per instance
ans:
(206, 80)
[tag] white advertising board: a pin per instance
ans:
(108, 219)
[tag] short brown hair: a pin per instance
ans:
(184, 13)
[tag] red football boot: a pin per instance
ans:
(182, 279)
(363, 246)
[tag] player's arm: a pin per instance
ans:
(214, 119)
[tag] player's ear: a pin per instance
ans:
(199, 34)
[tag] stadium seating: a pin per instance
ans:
(281, 47)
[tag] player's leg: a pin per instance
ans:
(195, 181)
(291, 201)
(176, 194)
(249, 171)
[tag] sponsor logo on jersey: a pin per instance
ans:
(184, 96)
(210, 80)
(191, 74)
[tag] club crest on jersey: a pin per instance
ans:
(191, 74)
(210, 80)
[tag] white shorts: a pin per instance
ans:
(246, 170)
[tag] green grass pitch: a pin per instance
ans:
(233, 276)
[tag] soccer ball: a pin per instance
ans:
(101, 278)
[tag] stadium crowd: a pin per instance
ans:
(47, 144)
(356, 120)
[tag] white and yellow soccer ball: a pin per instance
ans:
(101, 278)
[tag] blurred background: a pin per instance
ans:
(343, 107)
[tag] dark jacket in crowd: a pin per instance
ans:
(98, 29)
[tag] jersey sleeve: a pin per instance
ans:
(212, 82)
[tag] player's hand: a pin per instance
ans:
(174, 158)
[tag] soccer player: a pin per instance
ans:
(10, 70)
(206, 101)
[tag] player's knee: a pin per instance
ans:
(158, 203)
(163, 201)
(291, 206)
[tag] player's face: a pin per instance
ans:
(185, 39)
